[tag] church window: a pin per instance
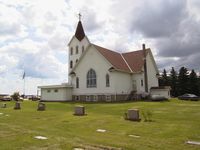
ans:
(142, 82)
(91, 79)
(77, 49)
(94, 98)
(87, 98)
(83, 48)
(77, 98)
(107, 80)
(71, 51)
(76, 60)
(77, 82)
(108, 97)
(71, 64)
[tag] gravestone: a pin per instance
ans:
(79, 110)
(41, 106)
(17, 105)
(133, 115)
(4, 105)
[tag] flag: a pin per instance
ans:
(24, 75)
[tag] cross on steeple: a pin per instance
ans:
(79, 34)
(79, 16)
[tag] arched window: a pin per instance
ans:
(71, 64)
(107, 80)
(91, 79)
(77, 82)
(77, 49)
(76, 60)
(71, 51)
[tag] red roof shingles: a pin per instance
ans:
(114, 58)
(134, 60)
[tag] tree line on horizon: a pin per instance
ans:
(182, 82)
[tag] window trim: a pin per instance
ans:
(77, 49)
(107, 80)
(87, 98)
(91, 79)
(77, 98)
(141, 82)
(95, 98)
(71, 64)
(77, 82)
(108, 98)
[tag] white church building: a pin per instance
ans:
(99, 74)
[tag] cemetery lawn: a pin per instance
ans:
(174, 123)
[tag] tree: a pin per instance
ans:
(15, 96)
(199, 84)
(164, 79)
(193, 83)
(173, 82)
(183, 81)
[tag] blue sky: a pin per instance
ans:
(34, 35)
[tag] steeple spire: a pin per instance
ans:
(79, 16)
(79, 34)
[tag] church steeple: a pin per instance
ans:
(79, 34)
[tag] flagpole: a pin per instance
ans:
(24, 76)
(24, 86)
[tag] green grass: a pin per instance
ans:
(174, 123)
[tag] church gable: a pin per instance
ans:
(91, 57)
(91, 72)
(135, 59)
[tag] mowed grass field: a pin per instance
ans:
(174, 123)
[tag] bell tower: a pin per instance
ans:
(77, 45)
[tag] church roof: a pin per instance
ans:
(135, 59)
(114, 58)
(128, 62)
(79, 34)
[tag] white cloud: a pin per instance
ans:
(34, 34)
(10, 24)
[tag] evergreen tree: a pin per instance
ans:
(164, 79)
(183, 81)
(173, 82)
(193, 83)
(160, 80)
(199, 84)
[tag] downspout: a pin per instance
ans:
(145, 69)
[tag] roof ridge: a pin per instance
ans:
(105, 48)
(126, 63)
(135, 51)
